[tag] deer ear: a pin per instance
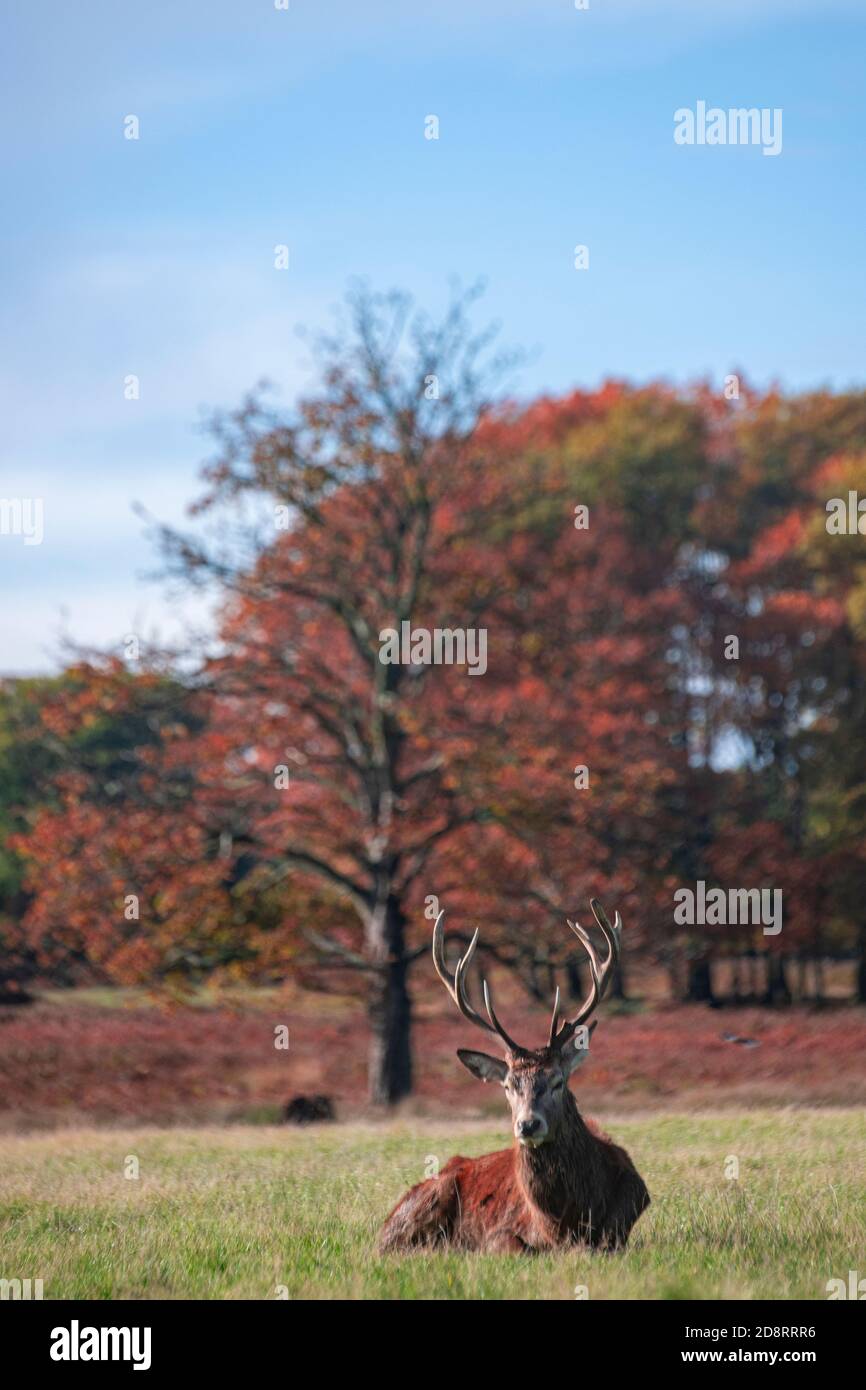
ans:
(484, 1067)
(573, 1055)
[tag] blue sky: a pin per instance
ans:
(306, 127)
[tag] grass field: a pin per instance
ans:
(237, 1212)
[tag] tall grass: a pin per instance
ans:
(260, 1212)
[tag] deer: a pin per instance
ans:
(563, 1182)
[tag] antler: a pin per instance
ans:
(601, 971)
(457, 987)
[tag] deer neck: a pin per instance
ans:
(561, 1177)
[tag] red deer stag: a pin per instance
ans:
(563, 1181)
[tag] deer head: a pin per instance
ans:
(535, 1080)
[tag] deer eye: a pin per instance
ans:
(557, 1084)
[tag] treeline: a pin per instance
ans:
(674, 693)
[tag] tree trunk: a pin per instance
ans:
(777, 984)
(574, 977)
(861, 966)
(389, 1006)
(801, 976)
(676, 989)
(699, 984)
(541, 984)
(818, 967)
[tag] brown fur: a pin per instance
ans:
(564, 1183)
(581, 1188)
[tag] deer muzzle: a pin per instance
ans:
(530, 1130)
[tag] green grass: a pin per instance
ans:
(235, 1213)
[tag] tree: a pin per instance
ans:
(365, 535)
(112, 850)
(396, 497)
(793, 700)
(294, 803)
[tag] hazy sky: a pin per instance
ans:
(260, 126)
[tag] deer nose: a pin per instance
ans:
(526, 1128)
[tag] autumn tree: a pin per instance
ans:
(781, 662)
(113, 851)
(400, 497)
(294, 803)
(354, 529)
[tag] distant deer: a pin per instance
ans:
(563, 1182)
